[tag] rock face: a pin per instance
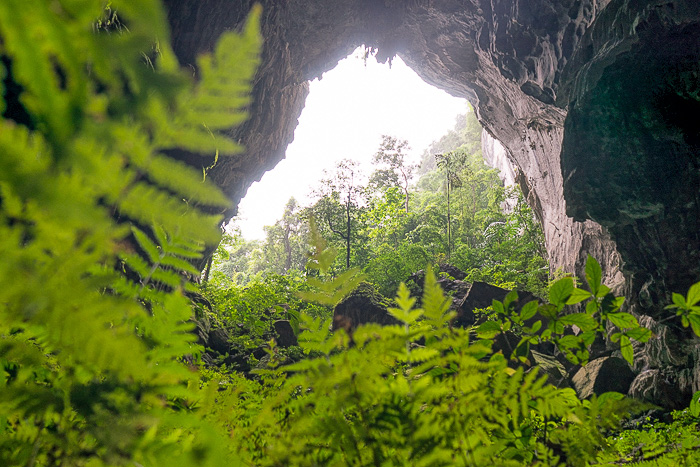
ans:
(595, 103)
(603, 375)
(363, 305)
(285, 333)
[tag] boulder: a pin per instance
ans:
(661, 387)
(603, 375)
(551, 367)
(285, 333)
(202, 328)
(363, 305)
(219, 340)
(480, 295)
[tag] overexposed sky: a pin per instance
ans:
(346, 114)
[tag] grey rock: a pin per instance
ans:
(285, 333)
(219, 340)
(363, 305)
(551, 367)
(481, 295)
(603, 375)
(663, 387)
(665, 348)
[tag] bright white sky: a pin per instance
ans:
(345, 116)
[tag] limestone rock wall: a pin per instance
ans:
(495, 156)
(595, 102)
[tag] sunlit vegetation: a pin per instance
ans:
(100, 312)
(452, 208)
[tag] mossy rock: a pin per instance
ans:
(363, 305)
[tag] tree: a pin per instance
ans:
(396, 171)
(238, 259)
(339, 198)
(451, 164)
(284, 246)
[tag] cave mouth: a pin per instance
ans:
(347, 111)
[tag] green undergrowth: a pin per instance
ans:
(424, 393)
(99, 228)
(658, 443)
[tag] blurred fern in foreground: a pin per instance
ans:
(88, 355)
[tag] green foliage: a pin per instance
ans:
(390, 265)
(91, 331)
(657, 443)
(328, 290)
(390, 229)
(417, 393)
(248, 312)
(98, 229)
(687, 308)
(423, 393)
(554, 325)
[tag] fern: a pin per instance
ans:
(90, 357)
(388, 400)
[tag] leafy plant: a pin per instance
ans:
(687, 308)
(658, 443)
(553, 326)
(98, 228)
(418, 393)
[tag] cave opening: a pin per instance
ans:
(347, 111)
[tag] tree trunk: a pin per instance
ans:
(347, 234)
(287, 250)
(405, 190)
(449, 221)
(205, 279)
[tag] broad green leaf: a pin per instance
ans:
(498, 307)
(611, 304)
(548, 311)
(588, 337)
(577, 296)
(695, 405)
(693, 294)
(510, 298)
(623, 320)
(488, 330)
(626, 349)
(568, 342)
(694, 321)
(528, 310)
(603, 290)
(535, 327)
(679, 301)
(594, 274)
(592, 307)
(560, 292)
(583, 320)
(639, 334)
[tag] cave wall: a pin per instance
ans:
(594, 101)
